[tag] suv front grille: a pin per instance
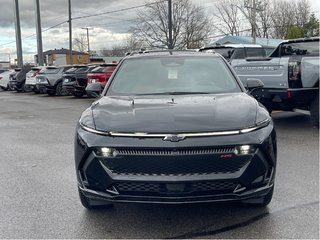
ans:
(165, 152)
(182, 162)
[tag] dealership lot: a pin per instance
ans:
(39, 197)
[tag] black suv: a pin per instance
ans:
(75, 80)
(18, 80)
(175, 127)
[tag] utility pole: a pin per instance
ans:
(70, 33)
(18, 34)
(39, 34)
(254, 11)
(170, 45)
(87, 28)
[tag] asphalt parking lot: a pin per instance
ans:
(39, 197)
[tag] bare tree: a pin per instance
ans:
(288, 14)
(134, 44)
(229, 14)
(80, 43)
(195, 28)
(302, 12)
(265, 18)
(190, 25)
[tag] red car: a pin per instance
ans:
(98, 78)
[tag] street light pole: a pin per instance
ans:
(18, 34)
(87, 28)
(39, 34)
(70, 33)
(170, 44)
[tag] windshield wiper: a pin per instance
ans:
(173, 93)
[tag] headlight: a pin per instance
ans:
(257, 126)
(41, 80)
(86, 122)
(106, 152)
(244, 150)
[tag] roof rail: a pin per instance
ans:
(158, 51)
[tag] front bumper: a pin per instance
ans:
(41, 87)
(14, 84)
(30, 86)
(105, 197)
(72, 87)
(184, 173)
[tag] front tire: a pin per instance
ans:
(60, 90)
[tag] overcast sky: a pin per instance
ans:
(108, 30)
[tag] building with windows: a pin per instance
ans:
(59, 57)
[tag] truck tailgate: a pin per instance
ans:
(272, 72)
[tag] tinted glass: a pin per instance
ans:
(238, 53)
(300, 48)
(81, 70)
(256, 52)
(50, 71)
(173, 74)
(103, 69)
(73, 70)
(224, 52)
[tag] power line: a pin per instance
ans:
(116, 11)
(33, 35)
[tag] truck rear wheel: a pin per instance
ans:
(314, 111)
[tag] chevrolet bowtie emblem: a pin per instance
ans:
(174, 138)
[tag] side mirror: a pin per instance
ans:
(94, 90)
(253, 83)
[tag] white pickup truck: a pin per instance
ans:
(290, 76)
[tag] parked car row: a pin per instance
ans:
(76, 80)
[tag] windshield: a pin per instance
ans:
(73, 69)
(50, 70)
(103, 69)
(173, 75)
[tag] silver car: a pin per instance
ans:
(31, 78)
(50, 80)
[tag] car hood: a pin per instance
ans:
(174, 114)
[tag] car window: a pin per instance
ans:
(300, 48)
(73, 69)
(64, 69)
(50, 70)
(225, 52)
(103, 69)
(255, 52)
(173, 74)
(238, 53)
